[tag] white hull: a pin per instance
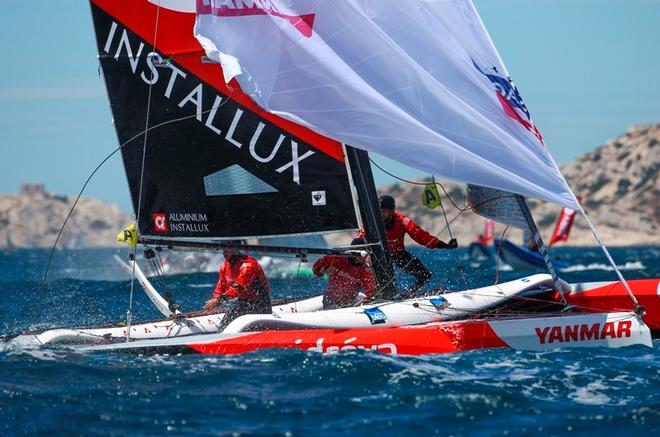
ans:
(180, 327)
(308, 314)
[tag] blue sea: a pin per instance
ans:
(279, 392)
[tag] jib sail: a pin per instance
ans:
(203, 161)
(497, 205)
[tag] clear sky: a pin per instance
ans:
(588, 69)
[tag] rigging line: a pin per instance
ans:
(464, 208)
(129, 312)
(497, 256)
(417, 183)
(59, 234)
(159, 264)
(98, 167)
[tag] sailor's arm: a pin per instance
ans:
(221, 286)
(325, 266)
(220, 289)
(424, 238)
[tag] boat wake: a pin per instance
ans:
(630, 265)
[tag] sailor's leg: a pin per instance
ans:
(263, 305)
(239, 308)
(413, 266)
(329, 304)
(260, 306)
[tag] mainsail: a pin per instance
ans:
(418, 81)
(203, 162)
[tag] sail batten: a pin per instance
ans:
(419, 82)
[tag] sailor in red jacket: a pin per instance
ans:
(242, 282)
(397, 225)
(348, 276)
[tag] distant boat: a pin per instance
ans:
(523, 258)
(526, 257)
(479, 249)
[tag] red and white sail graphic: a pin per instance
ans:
(489, 233)
(241, 8)
(563, 225)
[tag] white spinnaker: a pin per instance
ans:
(418, 81)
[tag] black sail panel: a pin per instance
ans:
(213, 168)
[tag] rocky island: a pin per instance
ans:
(619, 182)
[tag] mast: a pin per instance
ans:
(541, 245)
(374, 230)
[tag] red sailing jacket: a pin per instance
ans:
(243, 279)
(402, 224)
(344, 285)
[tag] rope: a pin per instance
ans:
(417, 183)
(129, 312)
(459, 264)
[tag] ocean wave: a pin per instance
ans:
(207, 285)
(585, 391)
(630, 265)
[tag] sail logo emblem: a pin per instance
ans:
(241, 8)
(510, 99)
(160, 222)
(318, 198)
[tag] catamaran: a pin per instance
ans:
(243, 119)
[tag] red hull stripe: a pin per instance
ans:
(613, 297)
(175, 39)
(444, 338)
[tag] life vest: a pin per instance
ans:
(348, 281)
(244, 279)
